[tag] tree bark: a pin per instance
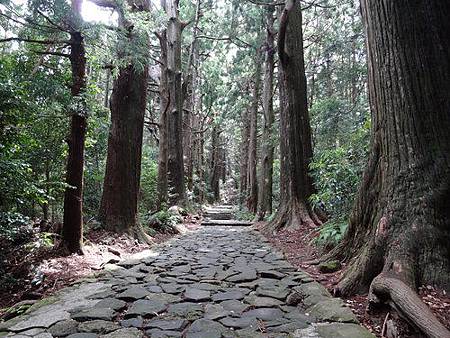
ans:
(164, 99)
(119, 203)
(72, 232)
(215, 163)
(252, 180)
(296, 149)
(400, 223)
(245, 136)
(191, 83)
(175, 166)
(266, 173)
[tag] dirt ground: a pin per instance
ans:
(299, 250)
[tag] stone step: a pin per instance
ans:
(226, 223)
(217, 216)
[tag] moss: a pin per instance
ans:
(330, 266)
(42, 302)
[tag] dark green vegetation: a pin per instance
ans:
(269, 105)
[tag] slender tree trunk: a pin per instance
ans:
(107, 83)
(119, 203)
(252, 180)
(164, 100)
(45, 206)
(72, 232)
(175, 167)
(215, 163)
(245, 136)
(266, 174)
(191, 82)
(399, 231)
(295, 210)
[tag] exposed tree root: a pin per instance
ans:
(139, 233)
(293, 215)
(399, 295)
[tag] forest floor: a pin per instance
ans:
(42, 272)
(299, 250)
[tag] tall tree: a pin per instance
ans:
(266, 172)
(164, 100)
(252, 180)
(72, 232)
(190, 98)
(294, 210)
(175, 167)
(400, 225)
(119, 204)
(216, 163)
(245, 136)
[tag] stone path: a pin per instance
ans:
(210, 283)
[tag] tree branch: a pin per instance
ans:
(284, 21)
(262, 3)
(52, 53)
(106, 3)
(42, 42)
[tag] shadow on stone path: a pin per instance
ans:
(212, 282)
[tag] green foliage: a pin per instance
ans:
(244, 215)
(163, 221)
(149, 181)
(331, 233)
(336, 180)
(15, 227)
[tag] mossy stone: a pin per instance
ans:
(330, 266)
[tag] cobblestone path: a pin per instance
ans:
(213, 282)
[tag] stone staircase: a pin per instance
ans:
(221, 215)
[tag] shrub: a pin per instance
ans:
(15, 228)
(330, 234)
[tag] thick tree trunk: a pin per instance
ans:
(266, 174)
(175, 166)
(402, 202)
(164, 99)
(296, 149)
(252, 180)
(400, 224)
(119, 203)
(72, 232)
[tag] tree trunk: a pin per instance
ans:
(400, 223)
(252, 180)
(408, 168)
(215, 163)
(191, 83)
(296, 149)
(107, 82)
(266, 174)
(164, 100)
(119, 203)
(72, 232)
(245, 136)
(175, 167)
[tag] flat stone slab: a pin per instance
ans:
(334, 330)
(218, 281)
(229, 223)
